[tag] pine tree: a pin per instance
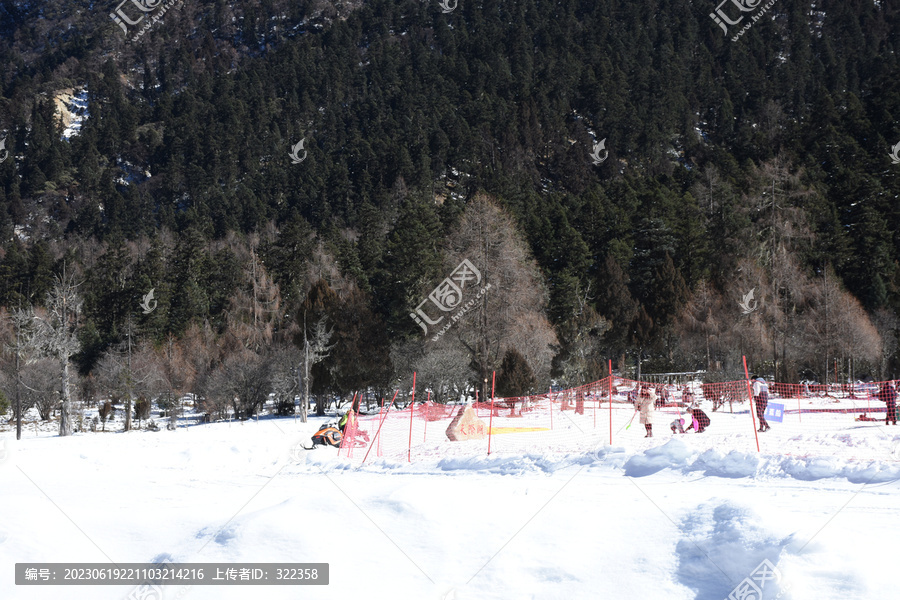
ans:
(515, 377)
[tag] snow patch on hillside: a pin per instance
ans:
(72, 108)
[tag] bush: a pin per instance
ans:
(141, 409)
(284, 406)
(216, 408)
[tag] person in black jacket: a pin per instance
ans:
(761, 395)
(888, 395)
(701, 419)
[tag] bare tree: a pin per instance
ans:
(243, 379)
(316, 348)
(130, 372)
(797, 323)
(856, 337)
(21, 347)
(781, 230)
(176, 373)
(255, 309)
(55, 337)
(444, 369)
(285, 384)
(512, 311)
(40, 387)
(700, 325)
(195, 361)
(887, 324)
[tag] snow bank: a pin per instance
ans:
(675, 456)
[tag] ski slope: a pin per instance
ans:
(669, 517)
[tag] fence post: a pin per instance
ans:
(491, 420)
(344, 443)
(752, 408)
(551, 408)
(428, 408)
(412, 406)
(380, 419)
(610, 401)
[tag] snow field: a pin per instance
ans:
(679, 518)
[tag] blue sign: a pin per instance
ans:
(774, 412)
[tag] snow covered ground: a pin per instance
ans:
(686, 517)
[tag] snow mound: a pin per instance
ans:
(815, 468)
(678, 457)
(734, 464)
(672, 454)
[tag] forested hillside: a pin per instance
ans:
(621, 173)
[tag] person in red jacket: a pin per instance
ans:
(888, 395)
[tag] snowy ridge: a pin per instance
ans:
(674, 456)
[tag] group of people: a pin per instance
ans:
(645, 402)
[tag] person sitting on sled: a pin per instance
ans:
(346, 418)
(349, 427)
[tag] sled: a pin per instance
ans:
(864, 417)
(327, 435)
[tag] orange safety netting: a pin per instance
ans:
(796, 419)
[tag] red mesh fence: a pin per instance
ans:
(799, 420)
